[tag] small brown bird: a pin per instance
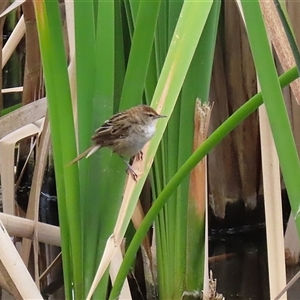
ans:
(125, 133)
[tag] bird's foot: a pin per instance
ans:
(139, 156)
(130, 171)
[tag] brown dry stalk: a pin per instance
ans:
(280, 42)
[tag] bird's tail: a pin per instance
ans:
(88, 152)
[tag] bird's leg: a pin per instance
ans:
(139, 156)
(130, 170)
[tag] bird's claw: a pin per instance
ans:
(132, 173)
(139, 156)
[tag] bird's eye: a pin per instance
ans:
(151, 115)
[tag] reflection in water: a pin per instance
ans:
(244, 273)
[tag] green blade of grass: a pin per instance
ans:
(140, 53)
(106, 168)
(63, 141)
(85, 27)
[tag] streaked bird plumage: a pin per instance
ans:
(125, 133)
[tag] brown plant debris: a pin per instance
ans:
(212, 291)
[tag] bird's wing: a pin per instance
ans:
(112, 129)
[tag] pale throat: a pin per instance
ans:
(149, 130)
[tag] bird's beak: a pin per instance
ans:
(160, 116)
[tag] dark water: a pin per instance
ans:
(243, 273)
(238, 253)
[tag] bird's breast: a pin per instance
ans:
(135, 140)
